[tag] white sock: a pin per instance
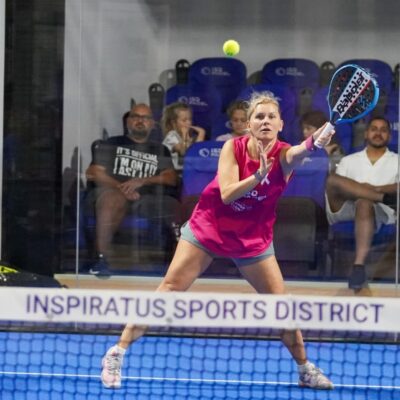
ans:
(119, 349)
(304, 367)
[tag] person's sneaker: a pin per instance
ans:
(312, 377)
(111, 372)
(100, 268)
(358, 277)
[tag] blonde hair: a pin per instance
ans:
(170, 115)
(261, 98)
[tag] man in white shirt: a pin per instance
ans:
(362, 189)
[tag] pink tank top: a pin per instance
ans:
(243, 228)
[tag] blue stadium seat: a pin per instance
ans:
(287, 101)
(319, 100)
(220, 126)
(301, 227)
(295, 73)
(200, 166)
(300, 232)
(227, 75)
(305, 228)
(326, 71)
(309, 179)
(392, 116)
(204, 101)
(293, 133)
(345, 229)
(156, 99)
(344, 133)
(299, 74)
(393, 101)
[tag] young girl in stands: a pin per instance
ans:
(237, 113)
(179, 131)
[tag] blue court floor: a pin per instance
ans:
(39, 366)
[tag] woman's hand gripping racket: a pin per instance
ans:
(353, 93)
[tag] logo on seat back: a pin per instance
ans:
(288, 71)
(213, 152)
(193, 101)
(219, 71)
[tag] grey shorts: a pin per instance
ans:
(383, 213)
(187, 234)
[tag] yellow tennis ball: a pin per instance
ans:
(231, 47)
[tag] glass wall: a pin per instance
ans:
(75, 70)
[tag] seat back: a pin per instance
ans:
(309, 179)
(221, 126)
(326, 71)
(320, 100)
(182, 71)
(295, 73)
(204, 101)
(295, 230)
(156, 99)
(299, 74)
(227, 75)
(200, 166)
(393, 117)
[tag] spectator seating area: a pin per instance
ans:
(209, 85)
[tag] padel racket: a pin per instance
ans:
(353, 93)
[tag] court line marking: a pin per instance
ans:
(193, 380)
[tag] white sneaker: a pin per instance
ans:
(313, 377)
(112, 363)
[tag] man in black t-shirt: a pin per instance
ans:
(132, 175)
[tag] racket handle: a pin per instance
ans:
(329, 127)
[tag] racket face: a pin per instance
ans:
(353, 93)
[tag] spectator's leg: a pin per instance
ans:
(165, 210)
(339, 189)
(364, 229)
(111, 207)
(364, 232)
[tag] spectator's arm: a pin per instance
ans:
(167, 177)
(391, 188)
(97, 174)
(201, 133)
